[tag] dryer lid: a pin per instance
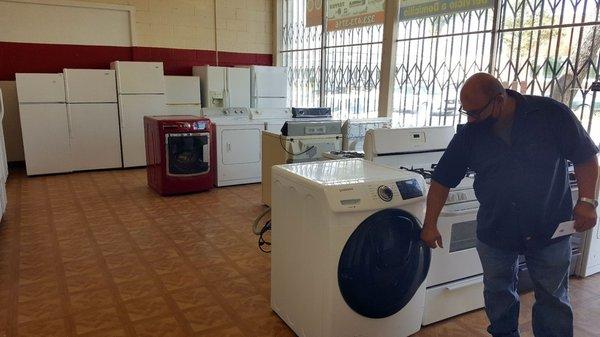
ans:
(383, 264)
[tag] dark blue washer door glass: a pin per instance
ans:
(383, 264)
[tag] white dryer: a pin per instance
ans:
(346, 256)
(237, 145)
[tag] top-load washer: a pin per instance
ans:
(237, 145)
(274, 118)
(347, 259)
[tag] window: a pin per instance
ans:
(434, 57)
(540, 47)
(349, 61)
(551, 48)
(352, 71)
(301, 53)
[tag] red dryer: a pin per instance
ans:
(179, 154)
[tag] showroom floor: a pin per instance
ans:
(99, 254)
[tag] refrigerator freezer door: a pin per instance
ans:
(269, 81)
(132, 109)
(95, 142)
(40, 88)
(238, 87)
(139, 77)
(45, 130)
(269, 102)
(90, 86)
(212, 82)
(182, 89)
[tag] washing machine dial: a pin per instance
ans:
(385, 193)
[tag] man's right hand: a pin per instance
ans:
(432, 237)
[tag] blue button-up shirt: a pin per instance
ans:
(523, 188)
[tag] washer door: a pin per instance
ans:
(383, 264)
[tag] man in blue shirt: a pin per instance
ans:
(518, 147)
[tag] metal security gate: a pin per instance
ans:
(551, 48)
(541, 47)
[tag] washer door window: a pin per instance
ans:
(383, 264)
(188, 154)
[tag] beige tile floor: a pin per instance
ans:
(99, 254)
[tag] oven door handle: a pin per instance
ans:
(464, 284)
(461, 212)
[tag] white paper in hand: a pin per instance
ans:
(564, 228)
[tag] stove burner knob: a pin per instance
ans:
(385, 193)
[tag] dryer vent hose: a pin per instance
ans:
(256, 227)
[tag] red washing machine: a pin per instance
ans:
(179, 154)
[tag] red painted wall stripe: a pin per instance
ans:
(52, 58)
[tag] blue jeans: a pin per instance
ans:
(549, 271)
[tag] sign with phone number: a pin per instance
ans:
(344, 14)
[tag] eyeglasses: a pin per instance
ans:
(476, 113)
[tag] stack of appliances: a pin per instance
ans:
(224, 87)
(455, 281)
(299, 141)
(353, 136)
(268, 87)
(338, 231)
(237, 145)
(183, 95)
(307, 137)
(141, 92)
(274, 118)
(354, 131)
(3, 162)
(44, 123)
(93, 115)
(180, 154)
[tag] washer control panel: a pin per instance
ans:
(385, 193)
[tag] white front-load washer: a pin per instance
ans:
(347, 259)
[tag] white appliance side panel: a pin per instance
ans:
(90, 86)
(269, 102)
(45, 130)
(95, 138)
(3, 157)
(238, 154)
(40, 88)
(238, 87)
(132, 109)
(183, 109)
(269, 81)
(182, 89)
(139, 77)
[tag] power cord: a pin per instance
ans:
(291, 153)
(261, 238)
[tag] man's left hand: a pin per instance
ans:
(585, 216)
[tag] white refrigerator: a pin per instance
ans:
(44, 123)
(268, 86)
(141, 92)
(93, 118)
(224, 87)
(183, 95)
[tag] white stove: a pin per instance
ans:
(455, 281)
